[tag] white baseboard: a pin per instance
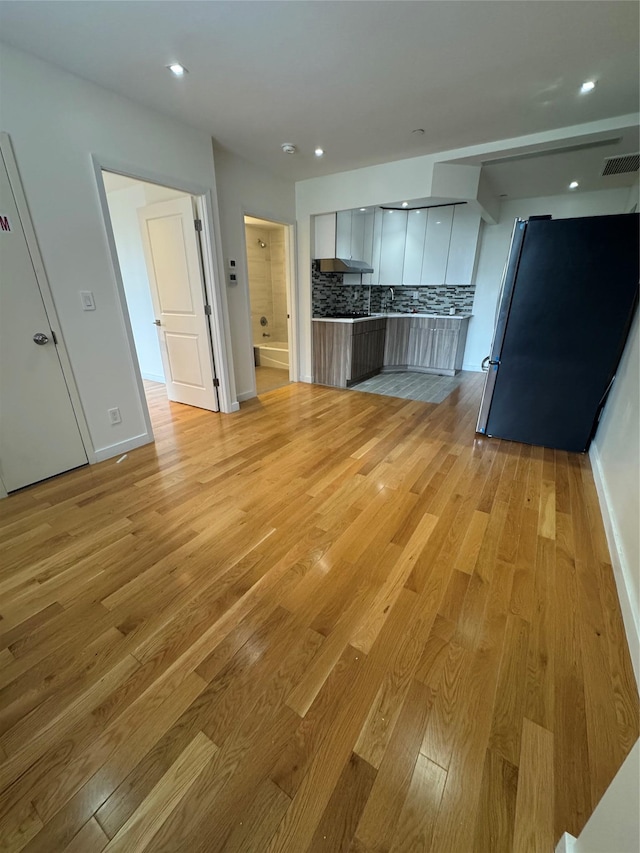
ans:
(306, 378)
(123, 446)
(153, 377)
(246, 395)
(621, 571)
(566, 844)
(472, 367)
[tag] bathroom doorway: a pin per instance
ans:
(267, 271)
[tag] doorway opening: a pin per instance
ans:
(157, 241)
(268, 276)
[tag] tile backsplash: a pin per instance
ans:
(330, 296)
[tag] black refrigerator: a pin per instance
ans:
(569, 292)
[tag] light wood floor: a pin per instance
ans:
(329, 622)
(270, 378)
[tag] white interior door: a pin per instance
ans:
(39, 435)
(177, 292)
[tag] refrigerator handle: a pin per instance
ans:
(487, 361)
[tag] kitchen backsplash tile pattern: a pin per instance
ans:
(330, 296)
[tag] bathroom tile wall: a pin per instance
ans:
(267, 284)
(259, 270)
(330, 295)
(278, 285)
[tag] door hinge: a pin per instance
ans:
(198, 224)
(216, 383)
(207, 309)
(53, 335)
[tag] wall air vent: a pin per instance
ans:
(621, 165)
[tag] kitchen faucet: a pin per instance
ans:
(392, 294)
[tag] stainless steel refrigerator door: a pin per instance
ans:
(492, 361)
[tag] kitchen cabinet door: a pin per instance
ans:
(443, 344)
(394, 232)
(343, 234)
(436, 245)
(367, 243)
(463, 246)
(396, 341)
(376, 246)
(356, 246)
(325, 236)
(419, 346)
(414, 247)
(367, 352)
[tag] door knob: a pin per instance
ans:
(40, 339)
(157, 323)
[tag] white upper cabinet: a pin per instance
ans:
(430, 246)
(414, 246)
(436, 245)
(343, 234)
(394, 234)
(462, 246)
(325, 236)
(374, 278)
(356, 245)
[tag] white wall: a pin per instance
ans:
(123, 208)
(57, 122)
(614, 824)
(494, 248)
(245, 189)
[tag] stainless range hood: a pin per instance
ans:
(343, 265)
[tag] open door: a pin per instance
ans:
(174, 267)
(39, 434)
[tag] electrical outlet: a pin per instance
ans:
(415, 294)
(114, 416)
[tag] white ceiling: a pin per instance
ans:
(353, 77)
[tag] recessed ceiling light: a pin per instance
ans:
(438, 222)
(587, 86)
(177, 69)
(319, 152)
(419, 131)
(363, 209)
(405, 204)
(288, 148)
(574, 185)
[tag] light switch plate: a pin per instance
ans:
(88, 302)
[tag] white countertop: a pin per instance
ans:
(378, 316)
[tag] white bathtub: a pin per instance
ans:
(273, 354)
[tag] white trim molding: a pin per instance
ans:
(566, 844)
(621, 569)
(123, 446)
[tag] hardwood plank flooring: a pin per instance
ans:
(329, 622)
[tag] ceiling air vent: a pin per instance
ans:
(621, 165)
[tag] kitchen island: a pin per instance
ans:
(347, 350)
